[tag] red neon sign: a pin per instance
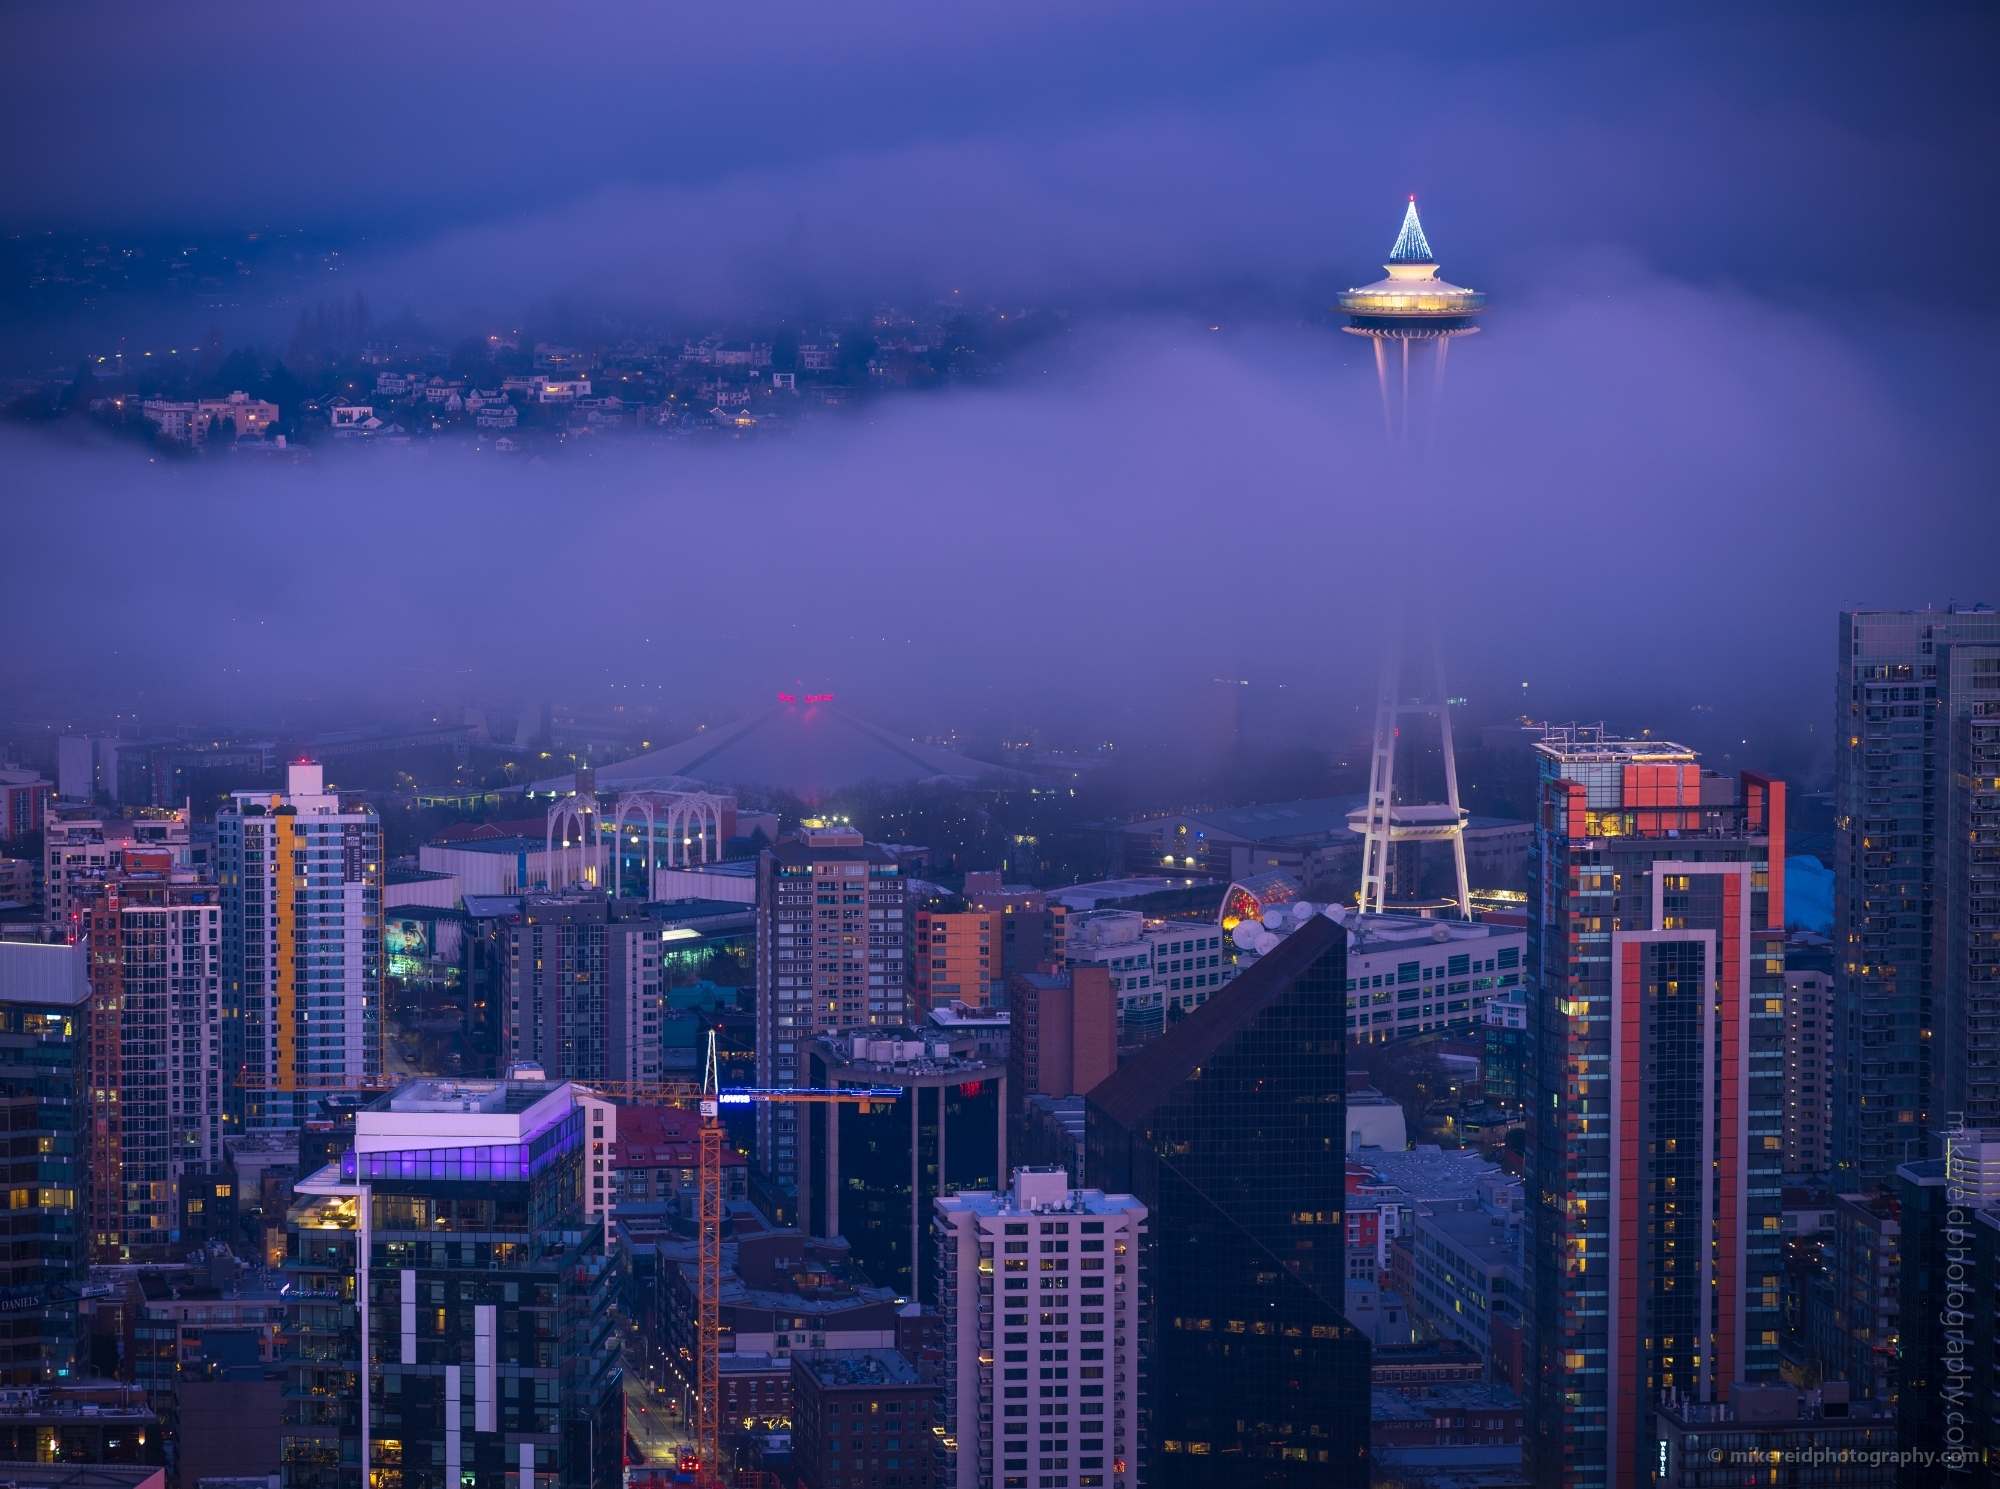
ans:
(786, 698)
(819, 697)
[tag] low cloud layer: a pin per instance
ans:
(1716, 397)
(1641, 500)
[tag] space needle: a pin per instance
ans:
(1411, 308)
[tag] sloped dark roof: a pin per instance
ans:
(812, 749)
(1140, 1085)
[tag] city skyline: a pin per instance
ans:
(747, 753)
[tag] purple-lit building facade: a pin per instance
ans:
(488, 1290)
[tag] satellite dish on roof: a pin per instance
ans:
(1440, 933)
(1274, 920)
(1302, 912)
(1246, 934)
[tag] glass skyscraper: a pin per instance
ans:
(874, 1172)
(1230, 1129)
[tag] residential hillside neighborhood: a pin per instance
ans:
(338, 379)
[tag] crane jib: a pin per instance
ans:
(742, 1097)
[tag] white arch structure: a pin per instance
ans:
(571, 816)
(693, 819)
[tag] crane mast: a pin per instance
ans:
(708, 1239)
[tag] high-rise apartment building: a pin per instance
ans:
(580, 989)
(1058, 1398)
(1905, 1056)
(1967, 925)
(1852, 1313)
(301, 881)
(1230, 1129)
(1656, 1096)
(830, 956)
(487, 1361)
(79, 854)
(159, 1084)
(1808, 1072)
(44, 1002)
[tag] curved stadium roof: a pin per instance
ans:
(809, 748)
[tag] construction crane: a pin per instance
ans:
(708, 1222)
(708, 1243)
(708, 1266)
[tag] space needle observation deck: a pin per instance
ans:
(1412, 303)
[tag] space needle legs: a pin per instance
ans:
(1406, 390)
(1382, 381)
(1451, 793)
(1381, 792)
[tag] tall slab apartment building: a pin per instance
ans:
(580, 989)
(160, 1084)
(301, 883)
(1916, 884)
(1656, 1096)
(831, 943)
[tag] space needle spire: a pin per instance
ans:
(1412, 307)
(1411, 245)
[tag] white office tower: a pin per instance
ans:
(302, 924)
(1055, 1273)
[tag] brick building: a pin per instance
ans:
(861, 1419)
